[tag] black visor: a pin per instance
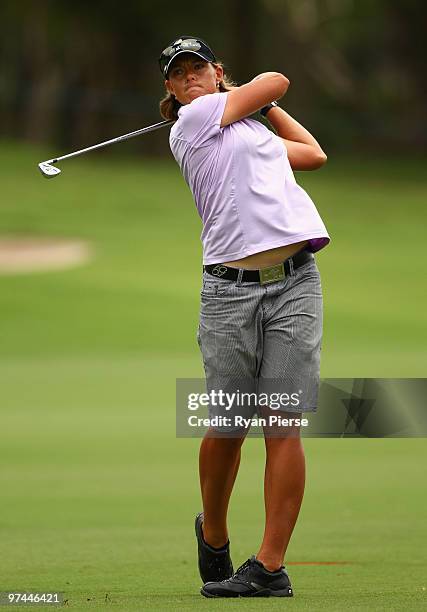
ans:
(184, 44)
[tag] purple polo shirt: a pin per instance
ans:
(242, 184)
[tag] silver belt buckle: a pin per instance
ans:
(272, 274)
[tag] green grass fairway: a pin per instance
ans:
(98, 496)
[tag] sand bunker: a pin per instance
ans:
(21, 255)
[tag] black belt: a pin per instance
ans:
(265, 275)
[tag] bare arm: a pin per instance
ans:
(248, 98)
(304, 152)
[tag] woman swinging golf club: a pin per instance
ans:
(261, 301)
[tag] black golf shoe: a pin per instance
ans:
(251, 580)
(214, 563)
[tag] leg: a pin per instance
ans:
(283, 492)
(229, 323)
(291, 362)
(219, 461)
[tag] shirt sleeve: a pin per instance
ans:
(200, 121)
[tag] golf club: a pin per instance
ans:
(50, 171)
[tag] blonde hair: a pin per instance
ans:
(169, 105)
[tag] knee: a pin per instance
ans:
(282, 427)
(223, 444)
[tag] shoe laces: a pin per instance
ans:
(241, 571)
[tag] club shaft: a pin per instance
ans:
(150, 128)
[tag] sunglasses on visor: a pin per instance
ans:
(184, 45)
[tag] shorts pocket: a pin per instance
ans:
(310, 267)
(209, 287)
(213, 286)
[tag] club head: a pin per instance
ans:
(48, 171)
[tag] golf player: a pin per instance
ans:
(261, 298)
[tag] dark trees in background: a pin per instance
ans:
(75, 72)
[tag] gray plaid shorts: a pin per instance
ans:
(264, 338)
